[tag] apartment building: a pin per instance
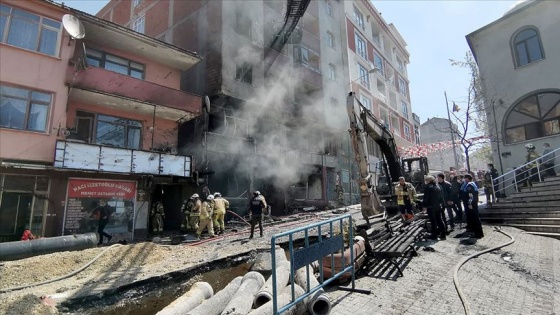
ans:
(277, 120)
(436, 130)
(88, 119)
(377, 59)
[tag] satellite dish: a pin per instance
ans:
(207, 103)
(73, 26)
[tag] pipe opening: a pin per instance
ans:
(321, 306)
(262, 299)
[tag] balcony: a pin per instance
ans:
(107, 88)
(92, 157)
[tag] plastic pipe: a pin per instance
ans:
(318, 303)
(242, 301)
(46, 245)
(199, 292)
(283, 299)
(216, 304)
(282, 279)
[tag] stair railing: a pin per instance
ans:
(523, 173)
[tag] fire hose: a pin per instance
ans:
(466, 304)
(61, 277)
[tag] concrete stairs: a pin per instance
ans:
(535, 209)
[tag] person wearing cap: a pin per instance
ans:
(206, 211)
(221, 205)
(456, 183)
(432, 205)
(447, 202)
(256, 208)
(470, 201)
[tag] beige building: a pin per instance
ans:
(519, 60)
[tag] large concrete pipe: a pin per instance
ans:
(47, 245)
(283, 299)
(318, 303)
(282, 279)
(216, 304)
(263, 261)
(199, 292)
(242, 301)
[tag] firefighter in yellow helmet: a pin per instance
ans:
(206, 212)
(406, 197)
(220, 207)
(194, 215)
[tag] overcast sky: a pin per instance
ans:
(434, 31)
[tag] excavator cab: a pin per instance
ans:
(415, 169)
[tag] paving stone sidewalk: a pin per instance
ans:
(523, 278)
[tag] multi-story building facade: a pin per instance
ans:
(518, 56)
(87, 119)
(270, 126)
(436, 130)
(373, 44)
(417, 124)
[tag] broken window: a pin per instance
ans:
(244, 73)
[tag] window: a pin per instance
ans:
(404, 109)
(332, 72)
(24, 109)
(330, 39)
(400, 64)
(384, 115)
(109, 130)
(527, 47)
(407, 135)
(244, 73)
(307, 57)
(236, 127)
(533, 117)
(364, 76)
(243, 24)
(139, 24)
(416, 135)
(110, 62)
(378, 63)
(402, 87)
(359, 17)
(29, 31)
(361, 47)
(365, 101)
(395, 125)
(135, 3)
(328, 8)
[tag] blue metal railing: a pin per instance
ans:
(303, 257)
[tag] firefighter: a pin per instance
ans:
(256, 208)
(221, 205)
(406, 196)
(531, 158)
(158, 214)
(469, 192)
(186, 208)
(206, 211)
(339, 190)
(194, 216)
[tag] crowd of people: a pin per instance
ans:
(444, 202)
(209, 213)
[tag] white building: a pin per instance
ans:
(436, 130)
(518, 57)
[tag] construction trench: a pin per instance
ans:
(181, 290)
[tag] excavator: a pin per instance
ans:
(377, 188)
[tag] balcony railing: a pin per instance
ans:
(93, 157)
(113, 83)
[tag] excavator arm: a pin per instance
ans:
(363, 125)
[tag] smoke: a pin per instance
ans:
(284, 111)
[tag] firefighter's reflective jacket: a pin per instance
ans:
(405, 193)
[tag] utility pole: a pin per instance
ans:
(452, 131)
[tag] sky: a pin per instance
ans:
(434, 31)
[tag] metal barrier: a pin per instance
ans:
(524, 174)
(315, 252)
